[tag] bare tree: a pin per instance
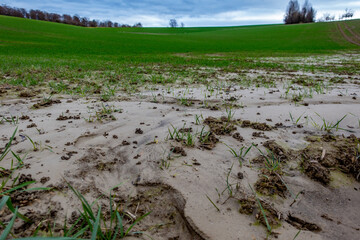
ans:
(349, 13)
(292, 13)
(173, 23)
(309, 17)
(327, 17)
(138, 25)
(182, 24)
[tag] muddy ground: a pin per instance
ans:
(168, 151)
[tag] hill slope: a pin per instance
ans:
(23, 36)
(36, 51)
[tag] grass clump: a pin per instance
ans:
(326, 125)
(100, 224)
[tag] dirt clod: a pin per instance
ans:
(139, 131)
(178, 150)
(302, 224)
(256, 125)
(238, 137)
(221, 126)
(316, 171)
(270, 184)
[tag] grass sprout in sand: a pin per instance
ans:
(326, 125)
(241, 154)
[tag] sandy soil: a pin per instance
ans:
(175, 182)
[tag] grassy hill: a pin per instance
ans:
(27, 44)
(23, 36)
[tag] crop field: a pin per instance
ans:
(249, 132)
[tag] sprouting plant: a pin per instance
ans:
(154, 98)
(34, 144)
(293, 120)
(297, 234)
(241, 154)
(184, 101)
(8, 145)
(228, 185)
(197, 119)
(272, 163)
(164, 164)
(13, 120)
(105, 97)
(326, 125)
(212, 203)
(229, 114)
(189, 139)
(357, 158)
(47, 98)
(99, 224)
(262, 210)
(175, 134)
(204, 135)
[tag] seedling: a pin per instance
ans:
(197, 119)
(13, 120)
(229, 114)
(326, 125)
(204, 135)
(213, 203)
(272, 163)
(241, 154)
(101, 225)
(190, 140)
(34, 144)
(295, 121)
(262, 210)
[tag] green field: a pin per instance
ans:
(36, 51)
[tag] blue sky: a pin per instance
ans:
(156, 13)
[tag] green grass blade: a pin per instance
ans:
(6, 150)
(18, 187)
(262, 210)
(12, 209)
(81, 232)
(3, 201)
(212, 203)
(136, 221)
(96, 225)
(38, 189)
(297, 234)
(120, 224)
(48, 238)
(9, 226)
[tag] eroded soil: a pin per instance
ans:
(302, 171)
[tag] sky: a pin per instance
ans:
(193, 13)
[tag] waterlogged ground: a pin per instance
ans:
(248, 153)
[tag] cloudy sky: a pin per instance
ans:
(156, 13)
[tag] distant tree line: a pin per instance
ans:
(65, 18)
(296, 15)
(349, 13)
